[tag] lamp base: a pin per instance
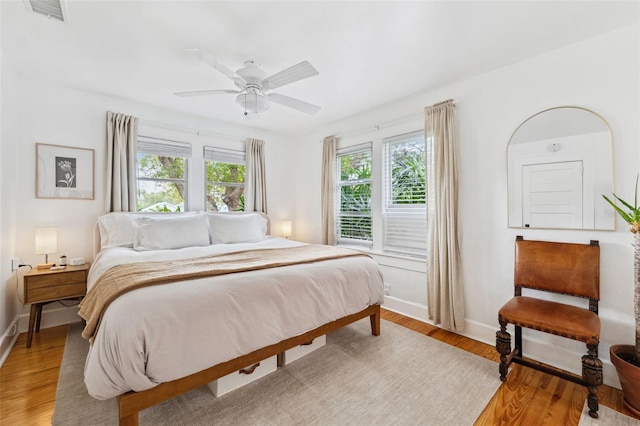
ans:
(45, 266)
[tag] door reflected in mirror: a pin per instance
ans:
(559, 162)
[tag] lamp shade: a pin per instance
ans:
(252, 103)
(46, 240)
(286, 228)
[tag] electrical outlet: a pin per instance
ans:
(15, 264)
(387, 289)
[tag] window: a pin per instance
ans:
(224, 179)
(353, 215)
(162, 175)
(404, 219)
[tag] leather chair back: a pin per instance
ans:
(558, 267)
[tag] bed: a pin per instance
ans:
(175, 302)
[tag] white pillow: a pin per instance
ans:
(117, 229)
(164, 233)
(232, 228)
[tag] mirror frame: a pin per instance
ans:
(607, 220)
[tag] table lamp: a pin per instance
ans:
(46, 243)
(286, 228)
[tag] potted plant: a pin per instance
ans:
(626, 358)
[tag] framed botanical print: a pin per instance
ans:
(64, 172)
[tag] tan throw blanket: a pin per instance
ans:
(124, 278)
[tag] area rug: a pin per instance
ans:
(606, 417)
(398, 378)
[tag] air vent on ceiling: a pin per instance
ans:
(50, 8)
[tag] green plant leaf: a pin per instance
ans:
(633, 216)
(624, 215)
(627, 205)
(636, 197)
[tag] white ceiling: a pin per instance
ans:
(368, 53)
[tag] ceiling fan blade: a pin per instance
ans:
(295, 73)
(211, 60)
(294, 103)
(205, 93)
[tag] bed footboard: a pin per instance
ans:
(131, 403)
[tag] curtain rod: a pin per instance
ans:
(365, 130)
(157, 124)
(378, 127)
(443, 102)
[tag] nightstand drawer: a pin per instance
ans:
(71, 277)
(55, 292)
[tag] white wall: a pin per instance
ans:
(9, 122)
(61, 116)
(601, 74)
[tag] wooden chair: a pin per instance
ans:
(571, 269)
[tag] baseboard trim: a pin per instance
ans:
(51, 318)
(8, 340)
(408, 309)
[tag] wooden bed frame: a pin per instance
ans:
(131, 403)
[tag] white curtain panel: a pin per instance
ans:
(328, 190)
(255, 187)
(122, 135)
(444, 276)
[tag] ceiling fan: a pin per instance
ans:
(254, 86)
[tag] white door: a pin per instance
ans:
(552, 195)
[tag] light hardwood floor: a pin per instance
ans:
(29, 377)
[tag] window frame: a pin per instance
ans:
(409, 221)
(209, 155)
(163, 147)
(350, 150)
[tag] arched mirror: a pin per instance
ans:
(560, 161)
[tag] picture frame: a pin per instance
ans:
(64, 172)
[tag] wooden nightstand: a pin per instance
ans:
(42, 286)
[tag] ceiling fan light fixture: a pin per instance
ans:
(253, 93)
(252, 103)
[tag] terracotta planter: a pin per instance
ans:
(628, 374)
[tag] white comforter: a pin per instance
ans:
(160, 333)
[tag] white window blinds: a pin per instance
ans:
(222, 155)
(403, 198)
(163, 147)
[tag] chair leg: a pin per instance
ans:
(503, 346)
(518, 339)
(592, 374)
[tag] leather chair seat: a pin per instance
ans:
(552, 317)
